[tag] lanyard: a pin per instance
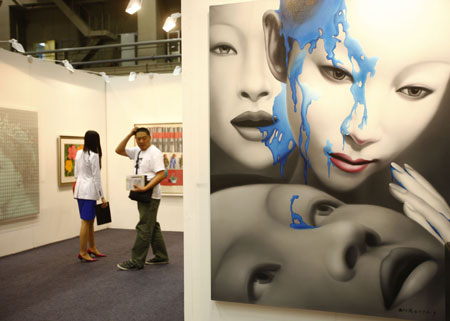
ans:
(137, 162)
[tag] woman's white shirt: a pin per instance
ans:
(87, 174)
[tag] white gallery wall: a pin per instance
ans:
(70, 104)
(198, 303)
(67, 104)
(150, 99)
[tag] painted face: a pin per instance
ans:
(142, 140)
(361, 259)
(242, 87)
(357, 110)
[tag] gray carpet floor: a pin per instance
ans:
(49, 283)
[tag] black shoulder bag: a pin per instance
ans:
(141, 196)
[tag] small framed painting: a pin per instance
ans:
(168, 138)
(68, 146)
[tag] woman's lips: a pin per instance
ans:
(248, 123)
(404, 273)
(347, 164)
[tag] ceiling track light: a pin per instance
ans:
(171, 21)
(68, 66)
(16, 45)
(132, 76)
(133, 6)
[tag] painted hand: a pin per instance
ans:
(421, 202)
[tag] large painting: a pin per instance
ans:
(168, 138)
(329, 142)
(68, 146)
(19, 164)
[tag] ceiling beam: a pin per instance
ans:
(80, 24)
(73, 17)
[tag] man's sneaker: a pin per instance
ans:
(128, 265)
(157, 261)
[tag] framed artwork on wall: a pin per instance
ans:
(68, 146)
(19, 164)
(321, 162)
(168, 138)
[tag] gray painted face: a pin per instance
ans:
(361, 259)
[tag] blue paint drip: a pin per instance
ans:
(392, 169)
(324, 24)
(297, 220)
(308, 97)
(282, 143)
(366, 66)
(327, 150)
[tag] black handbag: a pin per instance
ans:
(103, 214)
(146, 196)
(141, 196)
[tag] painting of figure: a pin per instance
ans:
(360, 117)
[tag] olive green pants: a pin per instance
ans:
(148, 233)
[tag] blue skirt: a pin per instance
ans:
(87, 209)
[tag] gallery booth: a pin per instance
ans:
(67, 104)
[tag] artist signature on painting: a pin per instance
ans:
(415, 311)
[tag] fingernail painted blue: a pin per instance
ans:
(392, 169)
(434, 229)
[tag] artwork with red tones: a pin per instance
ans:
(168, 138)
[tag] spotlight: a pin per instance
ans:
(133, 6)
(68, 66)
(177, 71)
(105, 77)
(171, 21)
(16, 45)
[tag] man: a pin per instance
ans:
(148, 161)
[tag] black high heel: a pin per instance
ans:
(82, 259)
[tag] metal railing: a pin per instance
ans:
(139, 44)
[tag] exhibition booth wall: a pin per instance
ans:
(69, 104)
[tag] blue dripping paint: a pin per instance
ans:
(327, 150)
(297, 220)
(280, 147)
(308, 96)
(324, 24)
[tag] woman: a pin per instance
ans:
(88, 189)
(363, 88)
(242, 99)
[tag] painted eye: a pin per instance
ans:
(322, 211)
(224, 50)
(415, 92)
(260, 279)
(336, 74)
